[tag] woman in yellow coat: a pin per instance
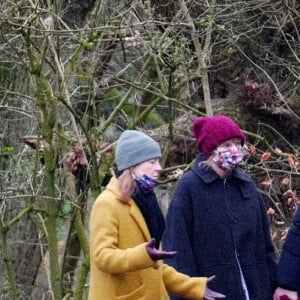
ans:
(126, 227)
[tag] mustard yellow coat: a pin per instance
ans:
(121, 268)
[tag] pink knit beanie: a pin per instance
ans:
(210, 132)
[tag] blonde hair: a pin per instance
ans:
(128, 185)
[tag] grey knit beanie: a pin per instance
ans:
(135, 147)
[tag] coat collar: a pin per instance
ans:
(114, 187)
(208, 175)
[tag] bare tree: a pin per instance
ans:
(73, 74)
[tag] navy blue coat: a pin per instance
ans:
(289, 265)
(213, 221)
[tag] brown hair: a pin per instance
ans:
(127, 185)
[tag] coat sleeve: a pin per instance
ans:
(271, 257)
(182, 285)
(178, 231)
(288, 274)
(104, 223)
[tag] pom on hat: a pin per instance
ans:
(135, 147)
(210, 132)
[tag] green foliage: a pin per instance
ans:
(86, 44)
(231, 50)
(111, 99)
(154, 120)
(7, 150)
(203, 22)
(65, 209)
(97, 131)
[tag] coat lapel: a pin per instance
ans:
(134, 211)
(138, 217)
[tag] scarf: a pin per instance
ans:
(148, 205)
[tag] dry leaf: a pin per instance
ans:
(266, 182)
(289, 193)
(273, 235)
(297, 200)
(252, 149)
(265, 156)
(284, 234)
(285, 181)
(277, 151)
(291, 161)
(279, 223)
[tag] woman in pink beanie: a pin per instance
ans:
(217, 220)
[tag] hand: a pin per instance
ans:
(157, 254)
(210, 294)
(283, 294)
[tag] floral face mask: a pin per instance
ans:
(228, 158)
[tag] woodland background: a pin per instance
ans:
(74, 74)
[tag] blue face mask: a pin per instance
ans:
(146, 184)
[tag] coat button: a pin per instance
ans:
(155, 266)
